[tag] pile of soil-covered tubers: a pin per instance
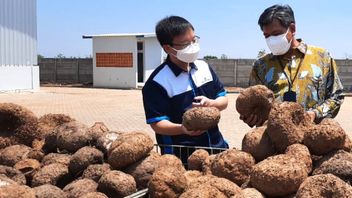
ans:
(289, 156)
(57, 156)
(294, 157)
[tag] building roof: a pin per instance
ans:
(119, 35)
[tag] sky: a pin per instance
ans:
(225, 26)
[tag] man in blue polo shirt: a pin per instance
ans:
(178, 84)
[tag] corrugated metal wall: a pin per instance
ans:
(18, 33)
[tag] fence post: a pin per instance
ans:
(55, 70)
(78, 81)
(235, 74)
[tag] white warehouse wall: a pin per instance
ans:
(115, 77)
(153, 55)
(18, 45)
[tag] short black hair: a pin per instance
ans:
(169, 27)
(283, 13)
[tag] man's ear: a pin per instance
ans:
(292, 29)
(168, 49)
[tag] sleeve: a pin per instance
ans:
(333, 95)
(156, 102)
(254, 76)
(218, 86)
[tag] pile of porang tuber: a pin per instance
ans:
(57, 156)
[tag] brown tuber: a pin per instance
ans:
(128, 148)
(48, 122)
(83, 158)
(55, 174)
(234, 165)
(325, 137)
(280, 175)
(95, 171)
(16, 191)
(17, 125)
(196, 159)
(49, 191)
(72, 136)
(326, 185)
(200, 118)
(258, 144)
(116, 184)
(337, 163)
(168, 160)
(143, 170)
(9, 156)
(80, 187)
(287, 124)
(13, 174)
(256, 100)
(28, 167)
(60, 158)
(167, 182)
(94, 195)
(224, 186)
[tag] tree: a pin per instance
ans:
(60, 56)
(209, 57)
(348, 56)
(224, 56)
(40, 57)
(261, 53)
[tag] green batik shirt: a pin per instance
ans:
(317, 84)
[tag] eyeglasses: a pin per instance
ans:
(182, 46)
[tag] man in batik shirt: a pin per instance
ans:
(295, 71)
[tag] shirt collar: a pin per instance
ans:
(302, 47)
(176, 69)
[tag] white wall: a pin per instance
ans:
(153, 55)
(18, 45)
(18, 32)
(19, 77)
(115, 77)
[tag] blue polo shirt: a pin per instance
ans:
(170, 91)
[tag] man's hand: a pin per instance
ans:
(202, 102)
(311, 115)
(191, 133)
(252, 120)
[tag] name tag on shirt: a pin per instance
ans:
(290, 96)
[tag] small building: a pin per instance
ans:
(124, 60)
(18, 45)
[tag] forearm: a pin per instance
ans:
(333, 95)
(220, 103)
(165, 127)
(329, 108)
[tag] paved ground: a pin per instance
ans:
(122, 110)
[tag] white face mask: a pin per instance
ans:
(189, 54)
(279, 44)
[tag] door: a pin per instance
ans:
(140, 61)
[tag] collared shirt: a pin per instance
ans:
(317, 84)
(170, 91)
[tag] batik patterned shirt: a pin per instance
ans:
(312, 74)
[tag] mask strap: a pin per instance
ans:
(286, 35)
